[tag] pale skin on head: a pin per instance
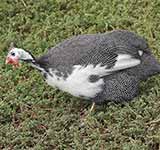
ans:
(16, 54)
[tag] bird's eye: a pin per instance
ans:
(12, 53)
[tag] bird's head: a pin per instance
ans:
(17, 54)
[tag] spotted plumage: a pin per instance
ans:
(98, 67)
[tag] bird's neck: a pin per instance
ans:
(29, 58)
(34, 64)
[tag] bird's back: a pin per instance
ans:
(90, 49)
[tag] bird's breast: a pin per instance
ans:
(82, 81)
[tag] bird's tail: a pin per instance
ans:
(149, 66)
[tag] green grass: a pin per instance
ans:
(36, 116)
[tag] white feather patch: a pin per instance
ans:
(140, 53)
(124, 61)
(78, 83)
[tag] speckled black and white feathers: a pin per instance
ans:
(93, 49)
(100, 67)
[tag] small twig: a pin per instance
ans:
(92, 107)
(24, 3)
(42, 138)
(154, 121)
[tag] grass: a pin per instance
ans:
(36, 116)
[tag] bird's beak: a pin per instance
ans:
(12, 61)
(8, 60)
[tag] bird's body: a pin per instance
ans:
(99, 67)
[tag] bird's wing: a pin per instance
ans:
(111, 61)
(116, 51)
(122, 61)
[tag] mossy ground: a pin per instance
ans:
(36, 116)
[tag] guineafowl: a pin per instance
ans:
(96, 67)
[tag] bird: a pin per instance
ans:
(99, 67)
